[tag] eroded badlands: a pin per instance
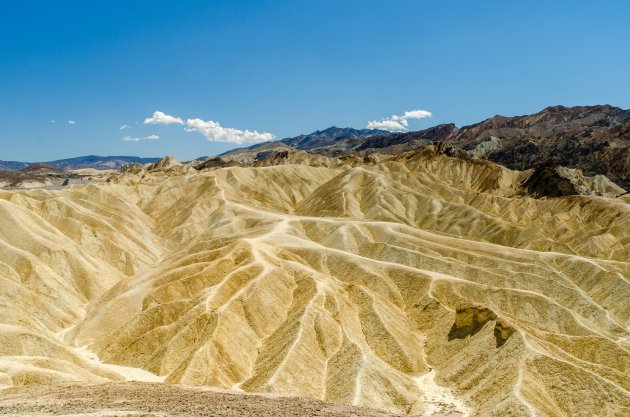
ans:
(422, 284)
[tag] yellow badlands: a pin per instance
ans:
(420, 284)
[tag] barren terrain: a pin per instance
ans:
(423, 284)
(153, 400)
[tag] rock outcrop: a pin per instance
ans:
(556, 181)
(163, 164)
(469, 320)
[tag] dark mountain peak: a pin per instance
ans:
(551, 118)
(335, 131)
(443, 129)
(330, 130)
(405, 141)
(329, 136)
(575, 112)
(578, 109)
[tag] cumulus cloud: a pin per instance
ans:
(388, 124)
(214, 132)
(160, 118)
(138, 139)
(397, 123)
(72, 122)
(123, 127)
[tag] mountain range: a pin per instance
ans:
(595, 139)
(90, 161)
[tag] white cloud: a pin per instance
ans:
(136, 139)
(416, 114)
(160, 118)
(53, 121)
(123, 127)
(214, 132)
(72, 122)
(388, 124)
(398, 123)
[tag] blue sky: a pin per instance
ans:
(289, 67)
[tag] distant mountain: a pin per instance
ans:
(595, 139)
(12, 165)
(336, 141)
(90, 161)
(99, 162)
(320, 141)
(396, 143)
(332, 137)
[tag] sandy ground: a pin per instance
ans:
(149, 399)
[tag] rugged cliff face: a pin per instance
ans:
(417, 284)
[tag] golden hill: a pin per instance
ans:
(420, 284)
